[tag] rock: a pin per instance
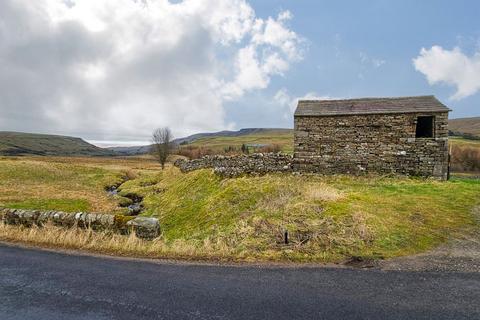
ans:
(21, 217)
(145, 228)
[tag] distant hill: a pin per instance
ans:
(465, 126)
(17, 143)
(221, 139)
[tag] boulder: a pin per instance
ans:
(145, 228)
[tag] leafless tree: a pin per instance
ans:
(162, 144)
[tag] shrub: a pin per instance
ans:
(194, 152)
(465, 159)
(271, 148)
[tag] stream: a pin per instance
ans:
(135, 207)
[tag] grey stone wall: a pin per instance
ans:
(370, 143)
(234, 166)
(145, 228)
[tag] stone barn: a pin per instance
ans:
(407, 135)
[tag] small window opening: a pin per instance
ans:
(425, 127)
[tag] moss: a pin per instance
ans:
(120, 222)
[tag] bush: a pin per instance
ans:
(271, 148)
(194, 152)
(465, 159)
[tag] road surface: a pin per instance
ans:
(48, 285)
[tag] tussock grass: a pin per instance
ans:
(203, 216)
(328, 218)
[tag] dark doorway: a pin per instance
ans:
(425, 127)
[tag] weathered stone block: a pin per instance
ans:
(145, 228)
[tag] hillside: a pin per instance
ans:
(463, 126)
(250, 137)
(223, 139)
(16, 143)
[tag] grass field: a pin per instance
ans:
(67, 184)
(464, 142)
(283, 138)
(328, 219)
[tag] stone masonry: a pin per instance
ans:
(356, 138)
(144, 227)
(234, 166)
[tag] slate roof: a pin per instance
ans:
(370, 106)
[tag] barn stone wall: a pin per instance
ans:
(383, 143)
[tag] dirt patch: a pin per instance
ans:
(458, 255)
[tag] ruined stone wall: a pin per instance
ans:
(234, 166)
(370, 143)
(144, 227)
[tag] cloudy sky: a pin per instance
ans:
(113, 70)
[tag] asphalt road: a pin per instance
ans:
(46, 285)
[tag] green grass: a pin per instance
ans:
(49, 183)
(66, 205)
(464, 142)
(329, 218)
(367, 216)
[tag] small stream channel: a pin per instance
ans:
(135, 207)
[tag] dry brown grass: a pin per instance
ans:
(105, 242)
(465, 158)
(322, 192)
(195, 152)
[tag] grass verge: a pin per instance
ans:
(328, 219)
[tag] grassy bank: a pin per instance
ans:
(328, 219)
(66, 184)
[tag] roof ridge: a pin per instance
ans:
(406, 104)
(369, 98)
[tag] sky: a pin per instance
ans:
(111, 71)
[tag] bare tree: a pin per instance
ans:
(162, 144)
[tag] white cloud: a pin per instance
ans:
(452, 67)
(374, 62)
(289, 103)
(116, 69)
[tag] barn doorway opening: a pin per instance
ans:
(425, 127)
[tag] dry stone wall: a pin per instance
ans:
(145, 228)
(370, 143)
(234, 166)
